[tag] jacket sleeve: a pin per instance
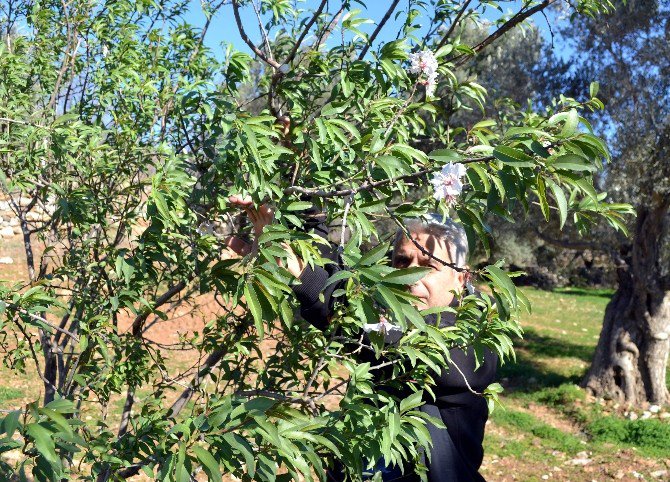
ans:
(315, 298)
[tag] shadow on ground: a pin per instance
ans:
(530, 371)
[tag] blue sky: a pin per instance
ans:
(224, 29)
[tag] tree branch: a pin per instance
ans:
(304, 33)
(236, 11)
(507, 26)
(382, 22)
(138, 322)
(452, 27)
(368, 185)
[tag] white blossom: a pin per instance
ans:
(424, 63)
(384, 326)
(206, 228)
(431, 84)
(447, 183)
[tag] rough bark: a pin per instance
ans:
(631, 358)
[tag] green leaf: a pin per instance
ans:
(44, 442)
(299, 206)
(561, 201)
(445, 155)
(338, 276)
(572, 162)
(251, 296)
(392, 301)
(406, 276)
(11, 422)
(413, 401)
(513, 157)
(502, 280)
(209, 464)
(588, 188)
(571, 123)
(593, 89)
(374, 255)
(542, 195)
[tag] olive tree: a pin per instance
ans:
(630, 363)
(132, 134)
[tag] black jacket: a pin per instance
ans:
(457, 452)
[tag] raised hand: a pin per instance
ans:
(260, 217)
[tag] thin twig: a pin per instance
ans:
(48, 323)
(453, 25)
(236, 12)
(467, 384)
(382, 22)
(304, 33)
(368, 185)
(420, 247)
(507, 26)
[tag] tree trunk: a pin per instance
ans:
(631, 358)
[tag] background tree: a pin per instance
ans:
(131, 134)
(632, 66)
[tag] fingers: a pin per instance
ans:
(259, 216)
(241, 201)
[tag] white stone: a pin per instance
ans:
(658, 474)
(664, 415)
(6, 260)
(17, 229)
(654, 408)
(582, 461)
(632, 416)
(545, 477)
(645, 415)
(7, 232)
(14, 221)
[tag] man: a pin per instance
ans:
(457, 451)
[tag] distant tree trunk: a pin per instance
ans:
(631, 358)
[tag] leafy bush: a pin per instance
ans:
(561, 396)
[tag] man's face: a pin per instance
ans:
(434, 289)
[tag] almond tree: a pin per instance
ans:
(132, 134)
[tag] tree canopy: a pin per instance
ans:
(119, 122)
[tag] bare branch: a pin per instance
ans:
(506, 27)
(304, 33)
(236, 11)
(453, 25)
(382, 22)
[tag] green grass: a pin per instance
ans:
(551, 437)
(545, 412)
(8, 393)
